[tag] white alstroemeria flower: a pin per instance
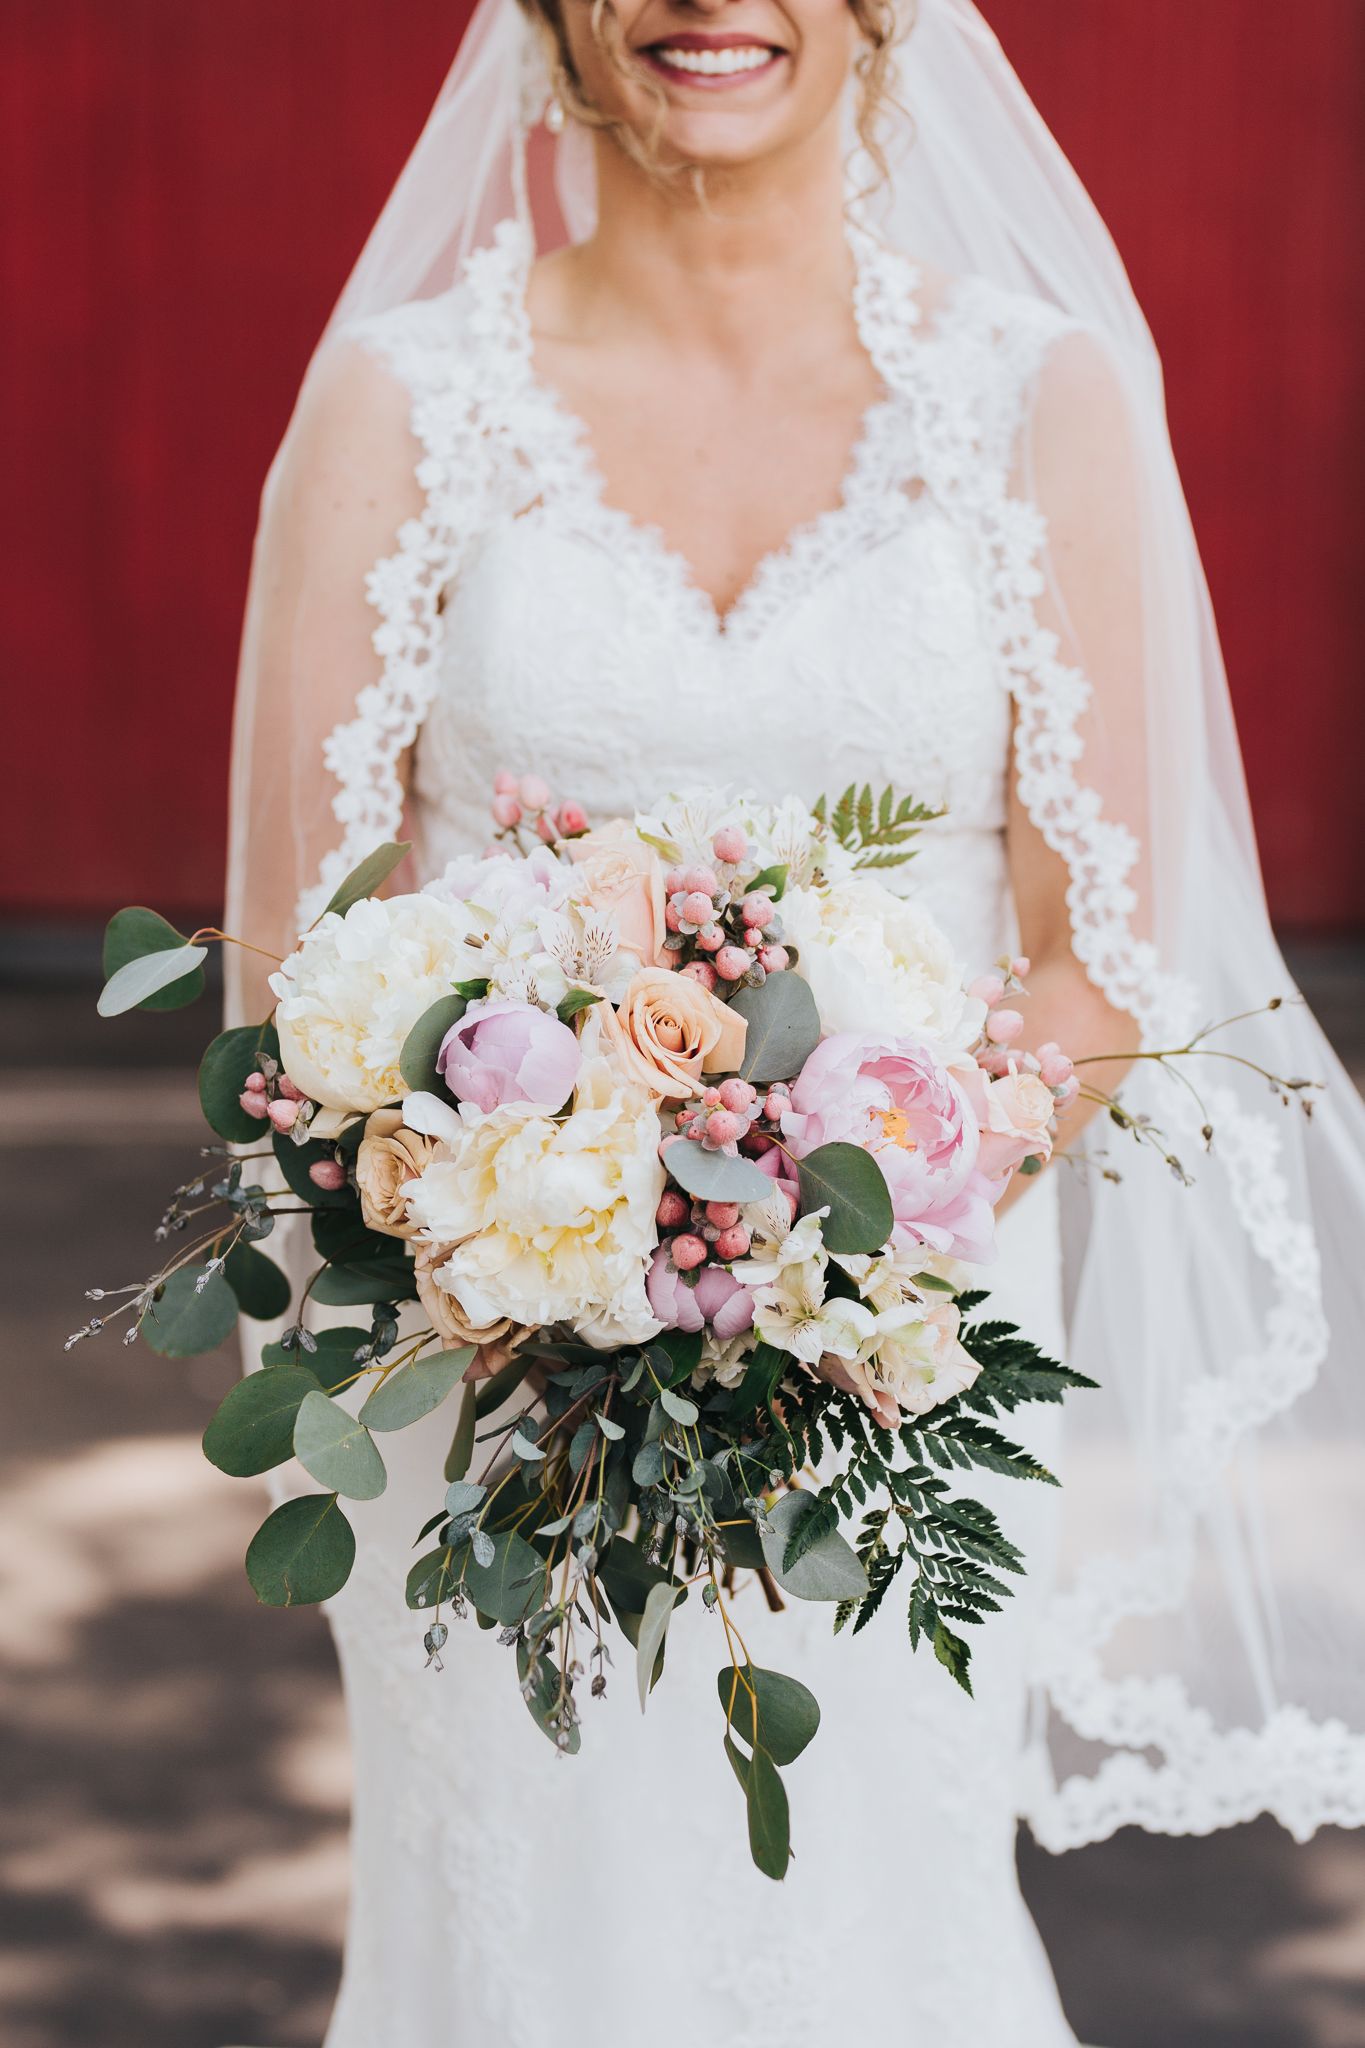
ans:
(793, 1314)
(782, 1244)
(683, 824)
(586, 949)
(786, 835)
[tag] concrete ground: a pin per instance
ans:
(173, 1757)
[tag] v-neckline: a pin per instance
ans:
(871, 497)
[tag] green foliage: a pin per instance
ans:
(848, 1181)
(462, 1443)
(716, 1176)
(262, 1290)
(658, 1612)
(352, 1285)
(302, 1553)
(769, 1814)
(784, 1030)
(222, 1078)
(825, 1567)
(788, 1712)
(415, 1389)
(253, 1427)
(372, 873)
(771, 878)
(184, 1319)
(422, 1044)
(577, 999)
(510, 1584)
(338, 1451)
(876, 833)
(135, 934)
(542, 1696)
(331, 1362)
(294, 1161)
(490, 1394)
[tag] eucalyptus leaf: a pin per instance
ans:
(521, 1448)
(433, 1577)
(788, 1713)
(417, 1063)
(133, 933)
(784, 1027)
(715, 1176)
(648, 1467)
(461, 1450)
(373, 871)
(463, 1494)
(253, 1427)
(331, 1361)
(337, 1450)
(769, 1816)
(658, 1612)
(610, 1429)
(262, 1290)
(181, 1323)
(848, 1181)
(682, 1410)
(302, 1553)
(543, 1697)
(494, 1587)
(414, 1390)
(491, 1393)
(222, 1079)
(629, 1577)
(373, 1280)
(830, 1569)
(148, 976)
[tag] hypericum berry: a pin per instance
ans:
(327, 1173)
(756, 1144)
(722, 1128)
(738, 1096)
(774, 959)
(545, 826)
(712, 939)
(722, 1214)
(673, 1210)
(703, 880)
(775, 1104)
(505, 784)
(1003, 1025)
(534, 792)
(987, 989)
(674, 882)
(288, 1088)
(254, 1102)
(1019, 967)
(696, 906)
(572, 820)
(283, 1113)
(688, 1251)
(506, 811)
(672, 917)
(756, 909)
(711, 1097)
(256, 1083)
(729, 844)
(731, 963)
(753, 937)
(732, 1243)
(701, 971)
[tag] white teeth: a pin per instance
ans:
(717, 62)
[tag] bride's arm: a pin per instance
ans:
(343, 485)
(1076, 466)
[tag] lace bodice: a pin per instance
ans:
(566, 638)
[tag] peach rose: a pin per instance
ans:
(623, 875)
(444, 1312)
(390, 1156)
(1014, 1113)
(669, 1031)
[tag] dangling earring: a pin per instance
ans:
(554, 116)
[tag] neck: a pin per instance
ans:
(732, 265)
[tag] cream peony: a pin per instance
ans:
(876, 962)
(353, 991)
(550, 1221)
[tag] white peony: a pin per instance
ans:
(551, 1221)
(876, 962)
(353, 991)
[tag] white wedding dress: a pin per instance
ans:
(504, 1897)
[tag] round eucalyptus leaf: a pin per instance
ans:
(137, 931)
(848, 1181)
(788, 1712)
(511, 1585)
(415, 1389)
(368, 1280)
(262, 1290)
(338, 1451)
(418, 1062)
(372, 872)
(302, 1553)
(331, 1363)
(769, 1816)
(150, 975)
(253, 1428)
(181, 1323)
(829, 1570)
(715, 1176)
(784, 1027)
(222, 1078)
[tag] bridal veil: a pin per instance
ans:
(1203, 1656)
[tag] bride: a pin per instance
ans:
(824, 442)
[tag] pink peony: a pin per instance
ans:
(717, 1299)
(504, 1051)
(893, 1096)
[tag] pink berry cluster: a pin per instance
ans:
(1003, 1026)
(698, 1231)
(528, 798)
(270, 1095)
(721, 932)
(732, 1118)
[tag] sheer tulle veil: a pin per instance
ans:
(1201, 1659)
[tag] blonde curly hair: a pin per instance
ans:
(878, 22)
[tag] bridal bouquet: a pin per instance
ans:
(674, 1145)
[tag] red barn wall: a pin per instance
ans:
(188, 181)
